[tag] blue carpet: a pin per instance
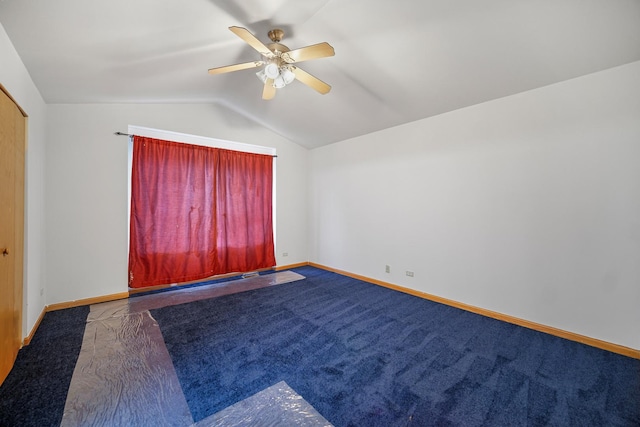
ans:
(364, 355)
(35, 391)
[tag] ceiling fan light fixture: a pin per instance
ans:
(287, 75)
(279, 82)
(271, 71)
(262, 76)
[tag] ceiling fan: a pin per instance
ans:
(279, 62)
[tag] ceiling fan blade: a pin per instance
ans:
(311, 81)
(236, 67)
(320, 50)
(250, 39)
(269, 91)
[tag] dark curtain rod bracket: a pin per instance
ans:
(128, 134)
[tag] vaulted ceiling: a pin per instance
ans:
(395, 62)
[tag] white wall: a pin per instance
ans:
(15, 78)
(86, 172)
(527, 205)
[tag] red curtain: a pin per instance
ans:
(197, 211)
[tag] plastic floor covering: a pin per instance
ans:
(124, 374)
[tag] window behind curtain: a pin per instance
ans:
(197, 211)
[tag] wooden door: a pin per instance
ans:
(12, 151)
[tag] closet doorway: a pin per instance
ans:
(13, 123)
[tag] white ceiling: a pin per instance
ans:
(396, 61)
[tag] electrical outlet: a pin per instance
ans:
(409, 273)
(387, 269)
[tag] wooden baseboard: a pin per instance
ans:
(87, 301)
(604, 345)
(290, 266)
(28, 338)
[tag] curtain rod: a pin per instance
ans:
(128, 134)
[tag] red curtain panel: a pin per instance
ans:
(244, 214)
(197, 211)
